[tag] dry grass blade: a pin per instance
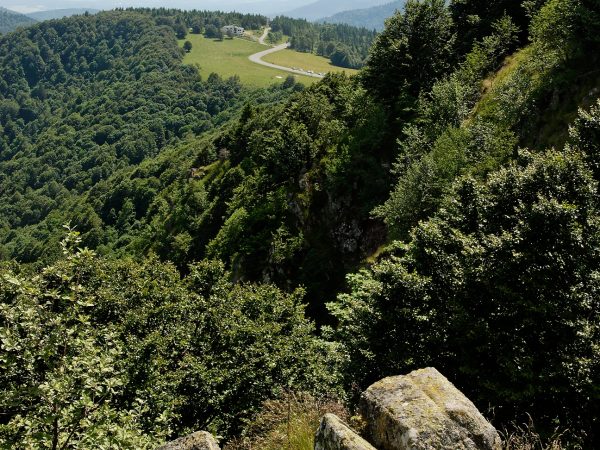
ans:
(288, 423)
(524, 437)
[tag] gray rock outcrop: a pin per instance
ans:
(333, 434)
(200, 440)
(423, 410)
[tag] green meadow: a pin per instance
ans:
(306, 61)
(230, 57)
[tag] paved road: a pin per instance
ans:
(257, 58)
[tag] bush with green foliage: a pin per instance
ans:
(444, 141)
(567, 27)
(475, 19)
(117, 353)
(64, 374)
(213, 32)
(499, 290)
(473, 120)
(274, 37)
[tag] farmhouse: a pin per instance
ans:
(233, 29)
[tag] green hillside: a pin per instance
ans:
(305, 61)
(183, 251)
(372, 18)
(10, 20)
(60, 13)
(229, 57)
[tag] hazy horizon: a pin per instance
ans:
(258, 6)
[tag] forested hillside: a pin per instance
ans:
(371, 18)
(10, 20)
(60, 13)
(178, 251)
(345, 45)
(81, 100)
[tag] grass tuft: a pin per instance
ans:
(288, 423)
(525, 437)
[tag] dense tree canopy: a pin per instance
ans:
(280, 207)
(475, 18)
(494, 281)
(345, 45)
(499, 290)
(84, 98)
(415, 49)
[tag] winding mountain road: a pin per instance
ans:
(257, 57)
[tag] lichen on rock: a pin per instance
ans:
(333, 434)
(423, 410)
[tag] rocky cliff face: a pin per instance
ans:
(418, 411)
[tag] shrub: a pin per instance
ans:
(499, 290)
(95, 351)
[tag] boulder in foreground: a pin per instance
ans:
(423, 410)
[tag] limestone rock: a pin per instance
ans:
(200, 440)
(423, 410)
(333, 434)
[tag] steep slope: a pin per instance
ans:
(10, 20)
(289, 199)
(324, 8)
(152, 139)
(492, 273)
(372, 18)
(481, 259)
